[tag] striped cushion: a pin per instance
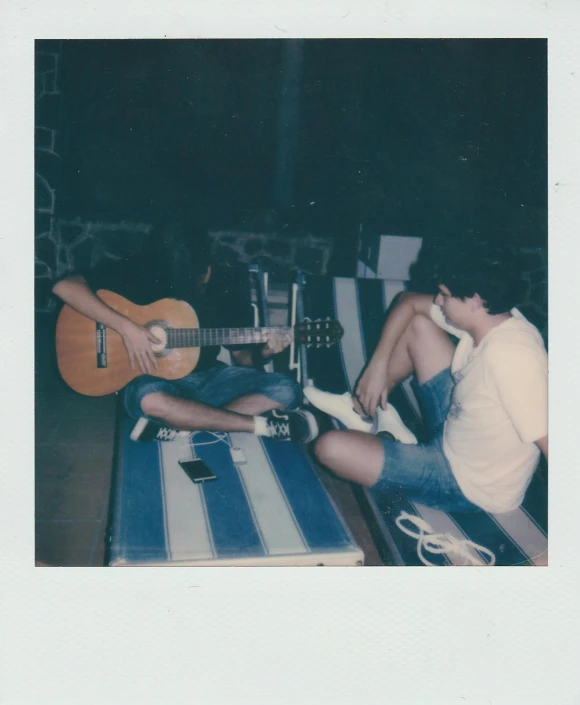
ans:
(516, 538)
(272, 510)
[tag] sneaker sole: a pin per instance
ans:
(312, 426)
(138, 428)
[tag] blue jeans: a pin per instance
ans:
(216, 386)
(421, 472)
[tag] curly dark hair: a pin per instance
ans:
(183, 251)
(490, 269)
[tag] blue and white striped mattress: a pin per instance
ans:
(515, 538)
(272, 510)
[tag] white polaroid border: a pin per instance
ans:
(502, 636)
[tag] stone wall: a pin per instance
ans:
(75, 243)
(47, 166)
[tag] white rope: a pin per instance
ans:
(428, 540)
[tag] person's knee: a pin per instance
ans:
(154, 404)
(420, 326)
(327, 448)
(283, 390)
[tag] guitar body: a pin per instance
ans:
(76, 345)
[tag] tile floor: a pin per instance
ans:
(74, 455)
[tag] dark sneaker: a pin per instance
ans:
(299, 425)
(145, 430)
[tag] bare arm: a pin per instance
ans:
(373, 385)
(75, 292)
(542, 444)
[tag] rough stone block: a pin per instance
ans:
(45, 251)
(311, 260)
(278, 247)
(43, 298)
(43, 223)
(252, 246)
(44, 195)
(81, 253)
(70, 231)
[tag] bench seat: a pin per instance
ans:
(515, 538)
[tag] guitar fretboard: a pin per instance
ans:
(201, 337)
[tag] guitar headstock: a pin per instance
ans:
(318, 333)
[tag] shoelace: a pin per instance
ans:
(166, 434)
(282, 428)
(440, 543)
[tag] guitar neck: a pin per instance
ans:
(202, 337)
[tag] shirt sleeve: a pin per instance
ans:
(439, 319)
(520, 373)
(109, 274)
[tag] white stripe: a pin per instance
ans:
(527, 536)
(442, 523)
(188, 531)
(276, 522)
(346, 302)
(391, 287)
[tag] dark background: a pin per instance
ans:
(417, 137)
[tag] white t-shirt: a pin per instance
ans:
(499, 408)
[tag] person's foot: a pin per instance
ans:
(340, 407)
(145, 430)
(389, 422)
(299, 425)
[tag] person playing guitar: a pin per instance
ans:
(175, 263)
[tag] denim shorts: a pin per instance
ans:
(215, 386)
(421, 472)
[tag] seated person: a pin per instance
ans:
(484, 400)
(176, 264)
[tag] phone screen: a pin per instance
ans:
(197, 470)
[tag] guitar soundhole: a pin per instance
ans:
(159, 330)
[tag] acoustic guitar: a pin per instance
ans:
(92, 358)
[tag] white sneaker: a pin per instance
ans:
(340, 407)
(389, 420)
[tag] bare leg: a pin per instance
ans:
(425, 349)
(253, 404)
(352, 455)
(188, 415)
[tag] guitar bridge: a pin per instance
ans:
(101, 345)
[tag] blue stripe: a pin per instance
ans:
(481, 528)
(138, 530)
(230, 516)
(320, 524)
(390, 504)
(324, 364)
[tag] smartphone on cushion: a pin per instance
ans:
(197, 470)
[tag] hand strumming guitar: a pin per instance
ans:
(137, 340)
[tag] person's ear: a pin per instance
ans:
(478, 302)
(207, 275)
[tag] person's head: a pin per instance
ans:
(484, 272)
(183, 252)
